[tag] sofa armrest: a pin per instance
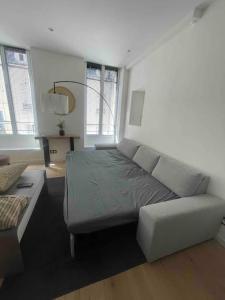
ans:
(167, 227)
(105, 146)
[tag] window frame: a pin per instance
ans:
(102, 69)
(5, 69)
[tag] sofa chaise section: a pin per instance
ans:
(10, 253)
(168, 227)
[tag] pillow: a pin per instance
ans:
(128, 147)
(178, 177)
(146, 158)
(9, 175)
(11, 208)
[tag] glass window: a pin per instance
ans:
(5, 120)
(101, 112)
(110, 94)
(16, 70)
(93, 101)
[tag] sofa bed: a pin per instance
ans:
(129, 182)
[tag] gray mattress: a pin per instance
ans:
(105, 189)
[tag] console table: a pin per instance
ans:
(45, 141)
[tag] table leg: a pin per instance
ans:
(71, 144)
(46, 151)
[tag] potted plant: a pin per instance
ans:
(60, 125)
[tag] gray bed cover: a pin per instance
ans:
(105, 189)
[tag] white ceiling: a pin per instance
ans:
(98, 30)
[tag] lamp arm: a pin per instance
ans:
(88, 86)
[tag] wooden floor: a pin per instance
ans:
(197, 273)
(54, 170)
(194, 274)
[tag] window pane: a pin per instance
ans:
(110, 94)
(21, 90)
(93, 74)
(16, 57)
(93, 101)
(5, 122)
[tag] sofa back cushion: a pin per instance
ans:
(180, 178)
(128, 147)
(146, 158)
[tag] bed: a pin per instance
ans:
(104, 189)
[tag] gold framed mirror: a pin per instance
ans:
(65, 91)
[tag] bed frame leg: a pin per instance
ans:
(72, 245)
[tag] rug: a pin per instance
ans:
(50, 271)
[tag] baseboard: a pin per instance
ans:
(220, 239)
(35, 162)
(30, 162)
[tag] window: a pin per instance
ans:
(16, 109)
(101, 113)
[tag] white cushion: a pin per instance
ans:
(11, 206)
(10, 174)
(146, 158)
(180, 178)
(128, 147)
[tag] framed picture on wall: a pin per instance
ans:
(136, 111)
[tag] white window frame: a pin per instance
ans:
(100, 134)
(9, 91)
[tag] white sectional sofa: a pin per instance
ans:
(170, 226)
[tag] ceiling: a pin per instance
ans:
(99, 30)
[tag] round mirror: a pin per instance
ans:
(64, 91)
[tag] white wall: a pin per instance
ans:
(47, 68)
(184, 110)
(21, 148)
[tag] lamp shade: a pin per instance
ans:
(55, 103)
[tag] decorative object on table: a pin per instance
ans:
(47, 101)
(61, 125)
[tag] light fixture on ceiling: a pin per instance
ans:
(199, 11)
(50, 29)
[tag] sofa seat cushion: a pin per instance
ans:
(146, 158)
(180, 178)
(11, 207)
(9, 175)
(128, 147)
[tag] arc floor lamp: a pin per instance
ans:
(59, 104)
